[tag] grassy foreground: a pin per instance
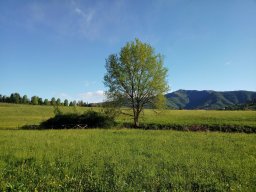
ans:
(13, 116)
(126, 160)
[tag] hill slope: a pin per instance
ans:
(192, 99)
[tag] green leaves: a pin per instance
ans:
(137, 77)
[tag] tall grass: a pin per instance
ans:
(126, 160)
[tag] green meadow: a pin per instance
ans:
(120, 159)
(126, 160)
(14, 116)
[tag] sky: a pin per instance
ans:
(58, 48)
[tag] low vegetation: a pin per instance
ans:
(126, 160)
(89, 119)
(16, 116)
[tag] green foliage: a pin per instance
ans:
(25, 99)
(135, 77)
(53, 101)
(65, 102)
(71, 103)
(56, 110)
(126, 160)
(58, 102)
(46, 102)
(40, 101)
(15, 98)
(111, 109)
(89, 119)
(34, 100)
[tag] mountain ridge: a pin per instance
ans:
(208, 99)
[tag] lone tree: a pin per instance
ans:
(136, 78)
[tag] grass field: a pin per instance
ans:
(14, 116)
(126, 160)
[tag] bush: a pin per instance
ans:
(196, 127)
(89, 119)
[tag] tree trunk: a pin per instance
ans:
(136, 120)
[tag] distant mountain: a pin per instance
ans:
(206, 99)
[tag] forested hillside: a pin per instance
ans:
(192, 99)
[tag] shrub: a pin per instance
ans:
(89, 119)
(196, 127)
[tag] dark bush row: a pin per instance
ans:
(217, 127)
(89, 119)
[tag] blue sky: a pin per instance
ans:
(57, 48)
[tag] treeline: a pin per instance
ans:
(35, 100)
(249, 105)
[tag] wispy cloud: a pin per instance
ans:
(95, 19)
(87, 16)
(86, 20)
(90, 20)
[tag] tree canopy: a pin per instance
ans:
(136, 78)
(34, 100)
